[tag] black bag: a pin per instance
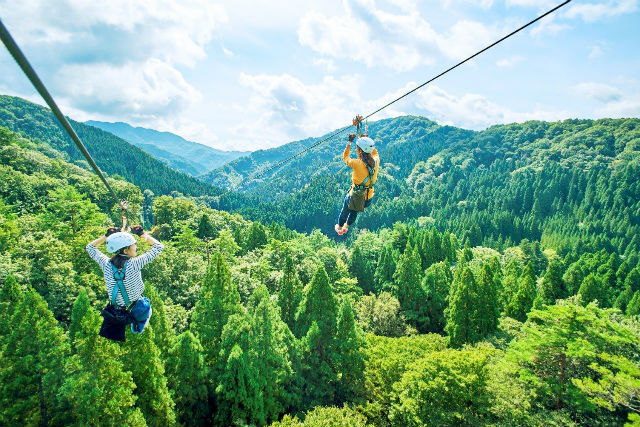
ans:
(114, 322)
(357, 198)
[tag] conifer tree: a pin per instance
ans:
(552, 286)
(592, 289)
(31, 373)
(383, 276)
(349, 343)
(633, 308)
(436, 283)
(10, 296)
(360, 268)
(256, 237)
(219, 299)
(205, 228)
(487, 305)
(408, 282)
(623, 299)
(461, 314)
(237, 390)
(187, 380)
(320, 368)
(318, 305)
(162, 330)
(143, 358)
(523, 299)
(633, 279)
(97, 388)
(270, 357)
(509, 284)
(290, 293)
(80, 308)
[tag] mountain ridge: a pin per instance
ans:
(187, 156)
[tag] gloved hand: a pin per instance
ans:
(137, 229)
(352, 136)
(110, 231)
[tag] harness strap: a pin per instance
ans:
(118, 275)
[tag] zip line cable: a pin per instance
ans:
(35, 80)
(19, 57)
(338, 132)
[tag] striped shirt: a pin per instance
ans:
(132, 278)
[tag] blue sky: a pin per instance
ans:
(257, 74)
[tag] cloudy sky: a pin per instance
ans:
(256, 74)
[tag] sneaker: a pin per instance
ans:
(339, 230)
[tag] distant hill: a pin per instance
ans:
(550, 182)
(185, 156)
(113, 155)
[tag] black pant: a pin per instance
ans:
(347, 215)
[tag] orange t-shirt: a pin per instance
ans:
(360, 171)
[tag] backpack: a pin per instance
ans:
(357, 195)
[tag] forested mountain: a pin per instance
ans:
(185, 156)
(568, 184)
(113, 155)
(254, 324)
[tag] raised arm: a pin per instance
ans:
(145, 258)
(346, 155)
(94, 253)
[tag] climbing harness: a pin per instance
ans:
(118, 275)
(358, 192)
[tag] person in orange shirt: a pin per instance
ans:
(368, 160)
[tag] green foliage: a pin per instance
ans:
(219, 299)
(80, 308)
(349, 343)
(187, 380)
(33, 355)
(454, 382)
(318, 305)
(10, 296)
(97, 389)
(381, 315)
(143, 357)
(568, 342)
(163, 335)
(325, 417)
(407, 279)
(290, 293)
(436, 282)
(523, 298)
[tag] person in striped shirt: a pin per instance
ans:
(125, 257)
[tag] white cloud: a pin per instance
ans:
(614, 102)
(474, 111)
(591, 12)
(598, 91)
(402, 41)
(541, 4)
(485, 4)
(283, 108)
(119, 59)
(328, 64)
(134, 90)
(548, 26)
(509, 62)
(596, 52)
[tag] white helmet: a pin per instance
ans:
(119, 240)
(366, 144)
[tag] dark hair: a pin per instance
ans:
(366, 157)
(119, 258)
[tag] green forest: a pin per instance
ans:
(495, 281)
